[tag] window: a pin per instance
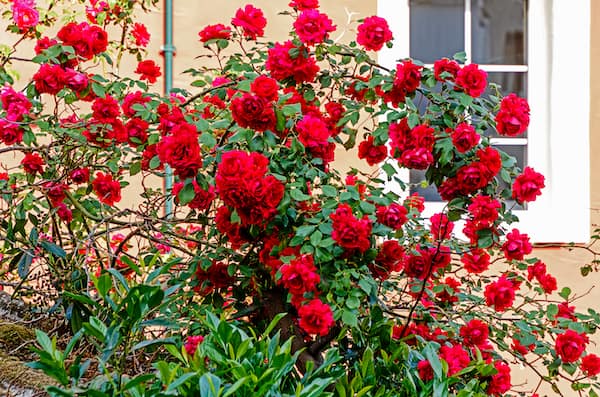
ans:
(539, 50)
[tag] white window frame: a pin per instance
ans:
(558, 87)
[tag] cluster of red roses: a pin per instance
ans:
(243, 185)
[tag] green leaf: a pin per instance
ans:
(349, 318)
(186, 194)
(53, 249)
(305, 230)
(432, 356)
(565, 292)
(329, 191)
(297, 195)
(149, 342)
(25, 263)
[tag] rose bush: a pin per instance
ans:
(275, 274)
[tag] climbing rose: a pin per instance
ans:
(350, 233)
(516, 246)
(251, 20)
(302, 5)
(212, 32)
(373, 154)
(107, 189)
(24, 14)
(513, 117)
(570, 345)
(500, 382)
(464, 137)
(456, 357)
(148, 70)
(373, 33)
(252, 111)
(393, 215)
(590, 365)
(265, 87)
(472, 80)
(445, 65)
(500, 294)
(140, 34)
(474, 333)
(32, 163)
(528, 185)
(313, 27)
(476, 261)
(316, 317)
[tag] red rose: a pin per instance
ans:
(393, 216)
(80, 175)
(484, 210)
(373, 154)
(136, 131)
(350, 233)
(492, 161)
(408, 76)
(214, 32)
(500, 294)
(500, 382)
(312, 132)
(516, 246)
(300, 276)
(445, 65)
(49, 79)
(32, 163)
(389, 259)
(233, 231)
(251, 20)
(472, 80)
(106, 108)
(471, 177)
(202, 198)
(528, 185)
(44, 43)
(441, 228)
(316, 317)
(14, 103)
(24, 14)
(107, 189)
(148, 70)
(456, 357)
(64, 213)
(474, 333)
(302, 68)
(570, 345)
(10, 132)
(140, 34)
(75, 80)
(302, 5)
(513, 117)
(464, 137)
(97, 38)
(425, 370)
(134, 98)
(548, 283)
(313, 27)
(590, 365)
(252, 111)
(476, 261)
(536, 270)
(215, 277)
(373, 33)
(181, 150)
(265, 87)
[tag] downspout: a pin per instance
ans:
(168, 52)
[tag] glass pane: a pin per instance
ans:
(499, 32)
(430, 192)
(436, 29)
(517, 151)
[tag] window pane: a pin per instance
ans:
(499, 32)
(430, 192)
(436, 29)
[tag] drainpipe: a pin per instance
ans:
(168, 52)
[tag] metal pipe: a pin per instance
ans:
(168, 52)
